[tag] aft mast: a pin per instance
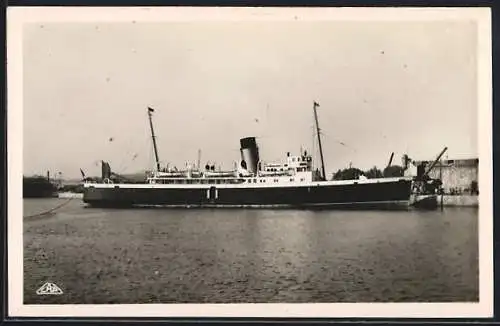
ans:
(150, 115)
(319, 140)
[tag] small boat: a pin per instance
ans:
(39, 187)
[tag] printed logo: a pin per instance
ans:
(49, 288)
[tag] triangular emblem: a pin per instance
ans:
(49, 288)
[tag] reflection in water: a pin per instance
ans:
(140, 255)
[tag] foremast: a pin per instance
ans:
(150, 115)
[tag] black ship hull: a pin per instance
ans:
(343, 194)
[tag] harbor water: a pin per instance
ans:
(99, 256)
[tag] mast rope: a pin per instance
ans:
(50, 211)
(126, 163)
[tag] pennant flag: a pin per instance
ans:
(150, 109)
(316, 103)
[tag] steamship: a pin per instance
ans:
(252, 183)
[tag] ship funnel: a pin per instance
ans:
(249, 153)
(105, 170)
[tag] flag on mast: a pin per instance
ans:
(150, 109)
(316, 103)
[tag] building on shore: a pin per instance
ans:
(459, 177)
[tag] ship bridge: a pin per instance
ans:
(293, 164)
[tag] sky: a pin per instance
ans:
(402, 87)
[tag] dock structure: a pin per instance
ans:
(458, 176)
(459, 180)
